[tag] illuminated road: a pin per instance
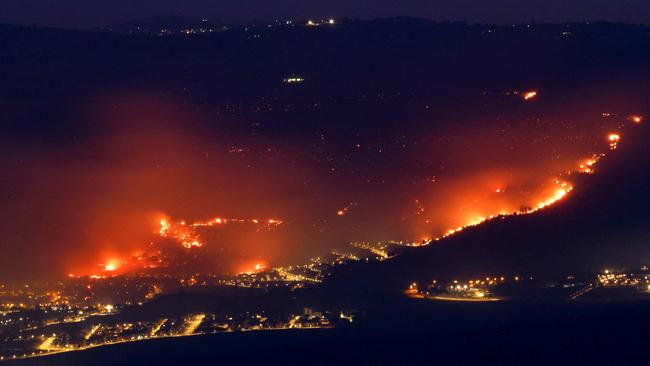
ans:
(193, 324)
(47, 345)
(57, 350)
(577, 294)
(92, 331)
(155, 329)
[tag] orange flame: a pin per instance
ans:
(530, 95)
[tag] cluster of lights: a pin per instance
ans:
(312, 23)
(101, 334)
(294, 80)
(613, 139)
(472, 290)
(610, 278)
(379, 249)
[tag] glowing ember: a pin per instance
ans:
(344, 210)
(636, 118)
(587, 165)
(529, 95)
(613, 138)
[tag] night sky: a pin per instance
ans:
(99, 13)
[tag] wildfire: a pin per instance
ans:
(253, 268)
(181, 232)
(164, 227)
(221, 221)
(562, 190)
(188, 236)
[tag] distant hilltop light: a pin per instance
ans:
(293, 80)
(312, 23)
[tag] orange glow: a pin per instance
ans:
(344, 210)
(188, 236)
(111, 265)
(587, 165)
(636, 118)
(487, 174)
(529, 95)
(164, 226)
(559, 192)
(253, 268)
(613, 138)
(180, 232)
